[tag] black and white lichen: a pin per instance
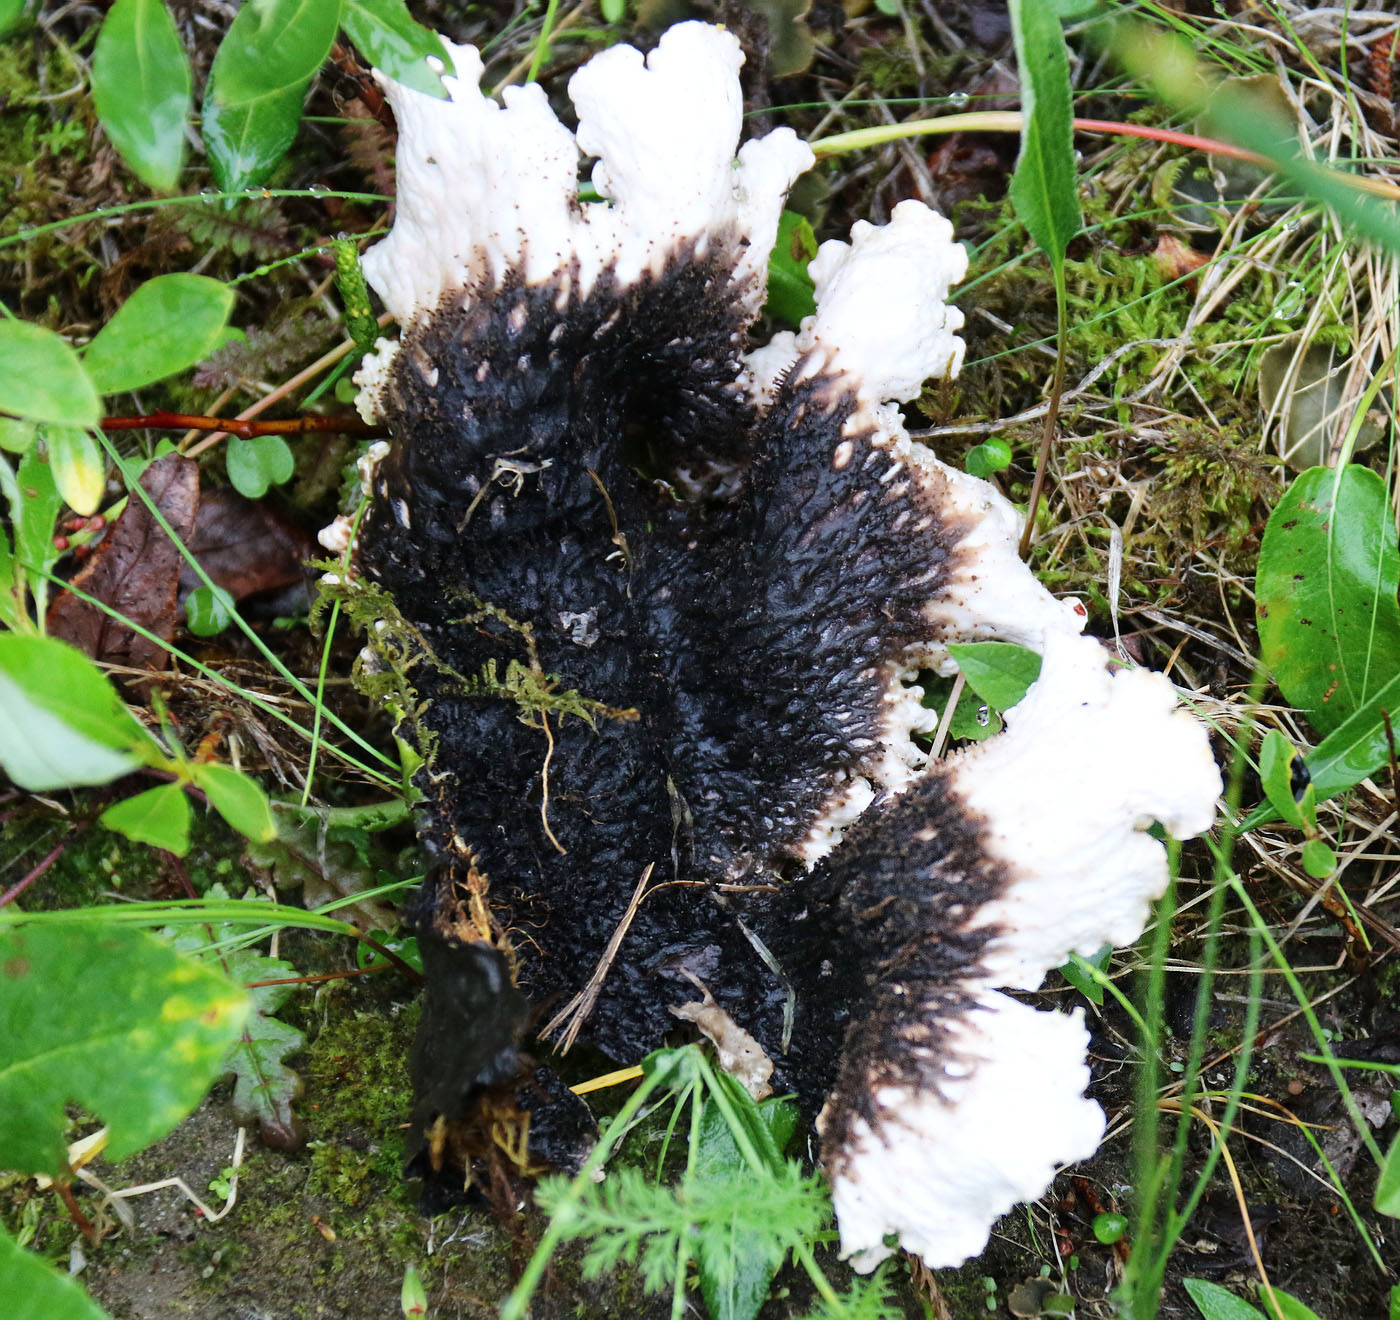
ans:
(672, 594)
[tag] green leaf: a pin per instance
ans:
(238, 799)
(160, 817)
(32, 1288)
(1388, 1185)
(790, 289)
(208, 610)
(273, 45)
(1277, 773)
(990, 456)
(998, 672)
(109, 1018)
(79, 469)
(254, 465)
(245, 141)
(168, 324)
(141, 89)
(390, 39)
(1079, 972)
(1329, 568)
(264, 1087)
(11, 11)
(61, 722)
(34, 506)
(1110, 1228)
(1290, 1308)
(1358, 747)
(613, 11)
(1319, 861)
(1043, 188)
(1240, 115)
(1216, 1303)
(42, 378)
(737, 1269)
(16, 436)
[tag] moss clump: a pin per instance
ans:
(357, 1087)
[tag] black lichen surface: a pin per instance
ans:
(660, 630)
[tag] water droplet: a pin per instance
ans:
(208, 195)
(1291, 226)
(959, 99)
(984, 715)
(318, 189)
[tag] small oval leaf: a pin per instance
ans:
(79, 470)
(41, 377)
(208, 610)
(245, 141)
(273, 45)
(254, 465)
(141, 89)
(238, 799)
(160, 817)
(168, 324)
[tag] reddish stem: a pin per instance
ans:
(244, 429)
(1212, 145)
(16, 889)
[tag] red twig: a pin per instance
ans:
(16, 889)
(1212, 145)
(245, 430)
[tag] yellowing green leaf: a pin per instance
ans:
(41, 377)
(79, 470)
(141, 89)
(160, 817)
(168, 324)
(108, 1018)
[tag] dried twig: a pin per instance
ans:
(581, 1005)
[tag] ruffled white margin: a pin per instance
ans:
(486, 188)
(1089, 758)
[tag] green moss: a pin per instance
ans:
(356, 1074)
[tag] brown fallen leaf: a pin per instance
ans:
(1176, 258)
(135, 571)
(246, 547)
